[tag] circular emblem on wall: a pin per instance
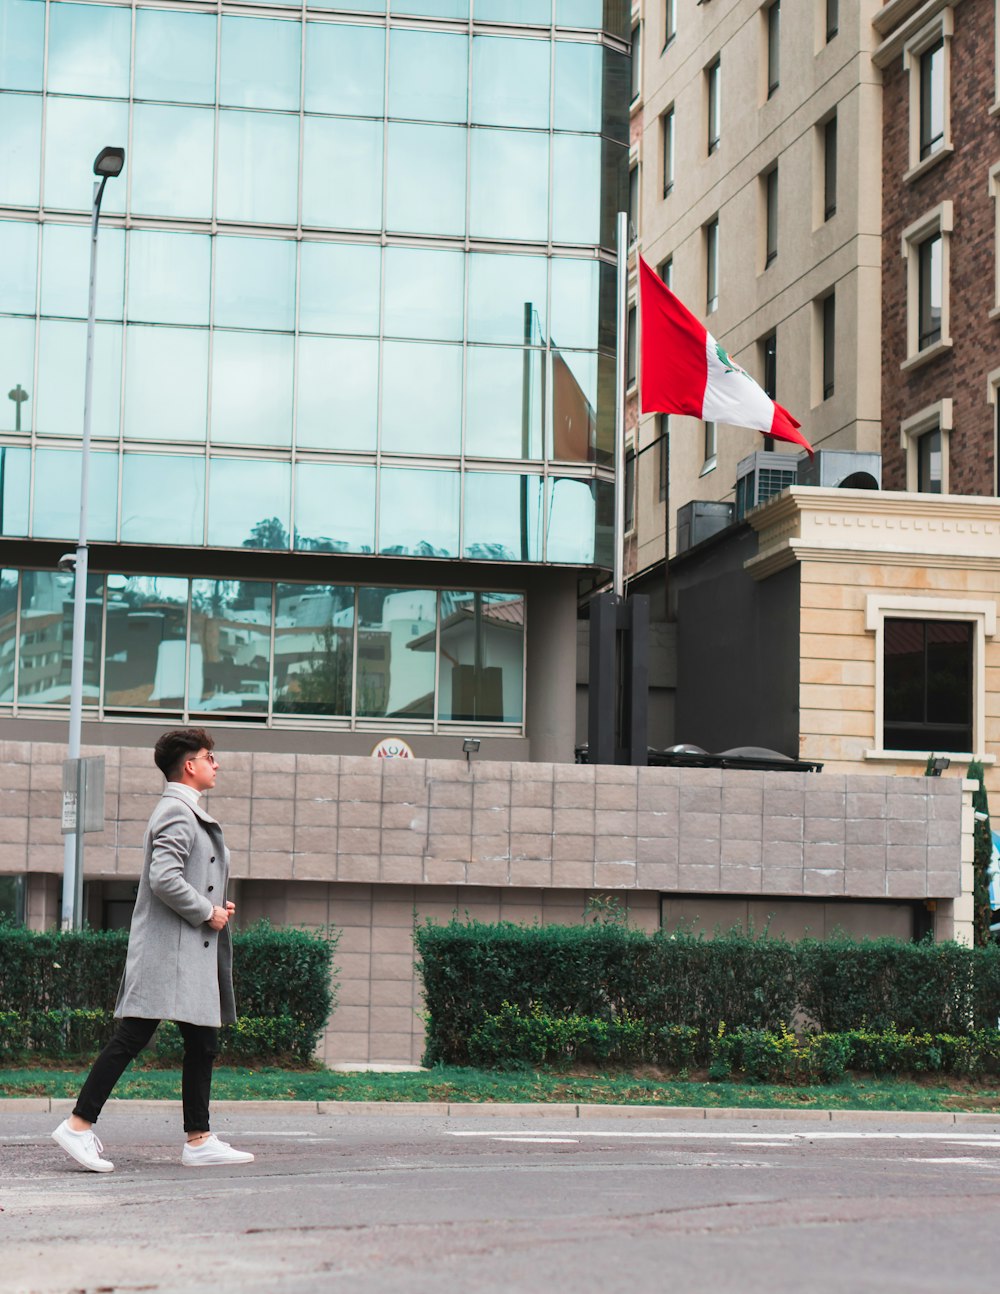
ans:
(392, 748)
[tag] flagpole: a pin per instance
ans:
(621, 377)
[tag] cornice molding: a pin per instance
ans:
(907, 19)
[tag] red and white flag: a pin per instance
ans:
(685, 370)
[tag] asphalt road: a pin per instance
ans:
(414, 1204)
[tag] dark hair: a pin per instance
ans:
(175, 746)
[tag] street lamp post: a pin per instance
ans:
(108, 164)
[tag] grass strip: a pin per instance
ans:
(458, 1085)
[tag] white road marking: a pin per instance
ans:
(950, 1159)
(981, 1140)
(542, 1141)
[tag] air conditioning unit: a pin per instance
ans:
(701, 519)
(841, 469)
(761, 475)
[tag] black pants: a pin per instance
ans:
(201, 1043)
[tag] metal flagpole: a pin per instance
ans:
(621, 378)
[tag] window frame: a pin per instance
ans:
(828, 345)
(667, 148)
(713, 105)
(939, 30)
(772, 49)
(628, 486)
(830, 160)
(769, 187)
(994, 193)
(669, 22)
(710, 446)
(938, 221)
(831, 29)
(938, 416)
(769, 364)
(635, 65)
(711, 243)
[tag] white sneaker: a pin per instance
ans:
(213, 1151)
(85, 1147)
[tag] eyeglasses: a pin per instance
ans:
(210, 757)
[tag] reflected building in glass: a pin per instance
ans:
(353, 400)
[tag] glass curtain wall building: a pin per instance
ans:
(355, 318)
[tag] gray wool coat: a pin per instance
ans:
(177, 967)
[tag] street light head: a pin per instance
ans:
(67, 563)
(109, 162)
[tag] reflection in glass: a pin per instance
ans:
(426, 179)
(504, 401)
(56, 514)
(432, 8)
(572, 406)
(18, 266)
(510, 184)
(171, 161)
(21, 132)
(577, 103)
(15, 490)
(248, 504)
(47, 638)
(501, 289)
(428, 75)
(17, 350)
(503, 517)
(260, 63)
(421, 398)
(166, 383)
(418, 514)
(89, 50)
(576, 189)
(22, 36)
(515, 11)
(572, 522)
(163, 499)
(313, 648)
(342, 173)
(258, 167)
(169, 276)
(66, 271)
(352, 6)
(339, 286)
(575, 302)
(424, 293)
(334, 508)
(144, 659)
(8, 633)
(230, 663)
(395, 675)
(174, 56)
(510, 82)
(336, 405)
(581, 13)
(62, 353)
(252, 388)
(482, 657)
(345, 69)
(254, 283)
(75, 132)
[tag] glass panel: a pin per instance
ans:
(576, 188)
(428, 75)
(313, 648)
(89, 50)
(929, 462)
(46, 643)
(501, 288)
(426, 181)
(258, 167)
(503, 517)
(15, 490)
(503, 412)
(66, 271)
(56, 514)
(930, 291)
(928, 685)
(351, 6)
(144, 660)
(575, 302)
(163, 499)
(510, 185)
(395, 670)
(254, 283)
(569, 532)
(171, 161)
(334, 508)
(174, 56)
(248, 504)
(18, 415)
(75, 132)
(421, 398)
(932, 99)
(21, 132)
(579, 13)
(345, 69)
(482, 657)
(252, 388)
(572, 405)
(433, 8)
(424, 293)
(514, 11)
(336, 405)
(339, 287)
(18, 265)
(8, 632)
(62, 356)
(260, 63)
(577, 104)
(510, 82)
(230, 665)
(22, 36)
(166, 383)
(418, 513)
(342, 173)
(949, 673)
(169, 277)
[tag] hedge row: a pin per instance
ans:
(612, 973)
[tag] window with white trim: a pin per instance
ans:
(927, 59)
(992, 386)
(994, 182)
(667, 137)
(924, 439)
(669, 21)
(926, 248)
(713, 111)
(712, 266)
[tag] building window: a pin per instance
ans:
(633, 203)
(667, 128)
(773, 21)
(929, 462)
(830, 168)
(770, 216)
(663, 453)
(769, 364)
(829, 344)
(630, 348)
(629, 490)
(636, 61)
(12, 899)
(669, 21)
(832, 19)
(927, 58)
(932, 99)
(711, 446)
(926, 247)
(667, 272)
(994, 180)
(927, 685)
(714, 104)
(712, 266)
(924, 439)
(929, 292)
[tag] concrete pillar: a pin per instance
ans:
(550, 694)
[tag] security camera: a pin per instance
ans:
(67, 562)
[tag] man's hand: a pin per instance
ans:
(219, 917)
(231, 910)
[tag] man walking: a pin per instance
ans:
(180, 958)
